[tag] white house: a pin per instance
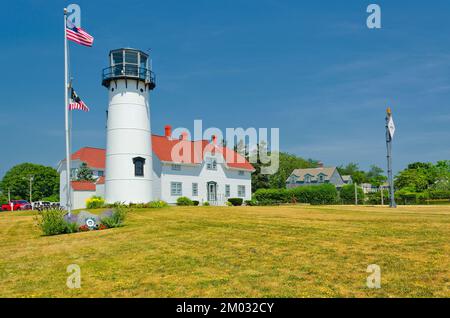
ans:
(212, 173)
(139, 167)
(315, 176)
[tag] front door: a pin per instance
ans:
(212, 191)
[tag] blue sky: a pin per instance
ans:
(311, 68)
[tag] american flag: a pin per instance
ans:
(78, 35)
(77, 103)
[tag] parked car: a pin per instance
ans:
(16, 205)
(45, 205)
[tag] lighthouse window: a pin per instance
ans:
(139, 166)
(131, 57)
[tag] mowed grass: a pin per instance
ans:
(290, 251)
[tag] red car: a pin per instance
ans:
(17, 205)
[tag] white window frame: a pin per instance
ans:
(227, 191)
(176, 167)
(241, 172)
(176, 189)
(195, 189)
(211, 163)
(241, 191)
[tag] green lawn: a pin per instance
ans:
(291, 251)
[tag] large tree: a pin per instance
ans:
(352, 169)
(45, 181)
(420, 176)
(376, 176)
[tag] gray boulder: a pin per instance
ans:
(89, 219)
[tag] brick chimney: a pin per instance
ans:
(214, 139)
(320, 164)
(167, 131)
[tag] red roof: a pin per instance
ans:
(83, 186)
(94, 157)
(190, 152)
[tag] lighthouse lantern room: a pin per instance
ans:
(128, 175)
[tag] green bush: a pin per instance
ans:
(406, 196)
(347, 194)
(196, 203)
(375, 197)
(184, 201)
(206, 203)
(251, 202)
(95, 202)
(72, 227)
(273, 195)
(439, 194)
(236, 201)
(320, 194)
(116, 219)
(52, 222)
(115, 205)
(157, 204)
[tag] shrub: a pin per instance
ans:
(406, 196)
(206, 203)
(116, 219)
(236, 201)
(439, 194)
(320, 194)
(347, 194)
(157, 204)
(184, 201)
(52, 222)
(375, 197)
(95, 202)
(251, 202)
(115, 205)
(272, 195)
(196, 203)
(228, 203)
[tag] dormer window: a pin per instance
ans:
(308, 179)
(321, 178)
(138, 166)
(211, 164)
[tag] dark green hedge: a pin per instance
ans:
(321, 194)
(236, 201)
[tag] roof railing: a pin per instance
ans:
(130, 71)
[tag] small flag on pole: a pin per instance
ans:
(76, 103)
(78, 35)
(391, 127)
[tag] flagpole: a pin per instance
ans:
(66, 113)
(392, 203)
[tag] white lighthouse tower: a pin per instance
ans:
(128, 175)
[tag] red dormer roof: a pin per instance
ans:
(163, 147)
